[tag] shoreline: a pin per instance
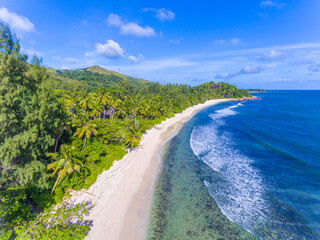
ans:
(122, 195)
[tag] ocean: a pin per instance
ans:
(243, 170)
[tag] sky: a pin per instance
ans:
(248, 43)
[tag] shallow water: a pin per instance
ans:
(257, 161)
(182, 206)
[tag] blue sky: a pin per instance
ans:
(249, 43)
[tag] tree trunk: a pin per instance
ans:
(55, 185)
(71, 111)
(56, 145)
(104, 113)
(135, 119)
(85, 140)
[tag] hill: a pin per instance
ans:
(90, 78)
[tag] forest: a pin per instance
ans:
(60, 129)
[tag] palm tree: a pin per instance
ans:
(85, 128)
(134, 136)
(96, 109)
(84, 101)
(143, 110)
(64, 125)
(120, 112)
(103, 98)
(134, 108)
(65, 163)
(70, 100)
(115, 102)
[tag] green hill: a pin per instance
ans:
(89, 79)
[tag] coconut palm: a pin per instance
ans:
(85, 128)
(63, 125)
(84, 101)
(120, 112)
(96, 109)
(103, 98)
(70, 100)
(115, 102)
(65, 163)
(134, 136)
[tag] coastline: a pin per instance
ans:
(121, 196)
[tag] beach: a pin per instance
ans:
(121, 196)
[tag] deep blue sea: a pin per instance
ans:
(258, 161)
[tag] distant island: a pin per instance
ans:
(255, 90)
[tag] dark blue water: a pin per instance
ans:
(264, 157)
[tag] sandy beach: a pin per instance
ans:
(121, 196)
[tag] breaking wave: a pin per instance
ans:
(238, 187)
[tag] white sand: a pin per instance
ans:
(122, 195)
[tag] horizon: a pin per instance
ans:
(270, 45)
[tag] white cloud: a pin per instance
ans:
(134, 29)
(64, 68)
(110, 49)
(244, 70)
(71, 60)
(165, 15)
(114, 20)
(67, 60)
(250, 70)
(130, 28)
(162, 14)
(135, 59)
(272, 4)
(272, 55)
(15, 21)
(31, 52)
(233, 41)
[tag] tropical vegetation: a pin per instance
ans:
(60, 129)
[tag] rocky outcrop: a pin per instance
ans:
(248, 98)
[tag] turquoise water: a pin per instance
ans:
(253, 164)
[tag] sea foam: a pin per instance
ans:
(238, 187)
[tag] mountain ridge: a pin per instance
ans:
(90, 78)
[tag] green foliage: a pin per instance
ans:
(65, 163)
(62, 222)
(85, 128)
(134, 136)
(27, 114)
(14, 208)
(9, 43)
